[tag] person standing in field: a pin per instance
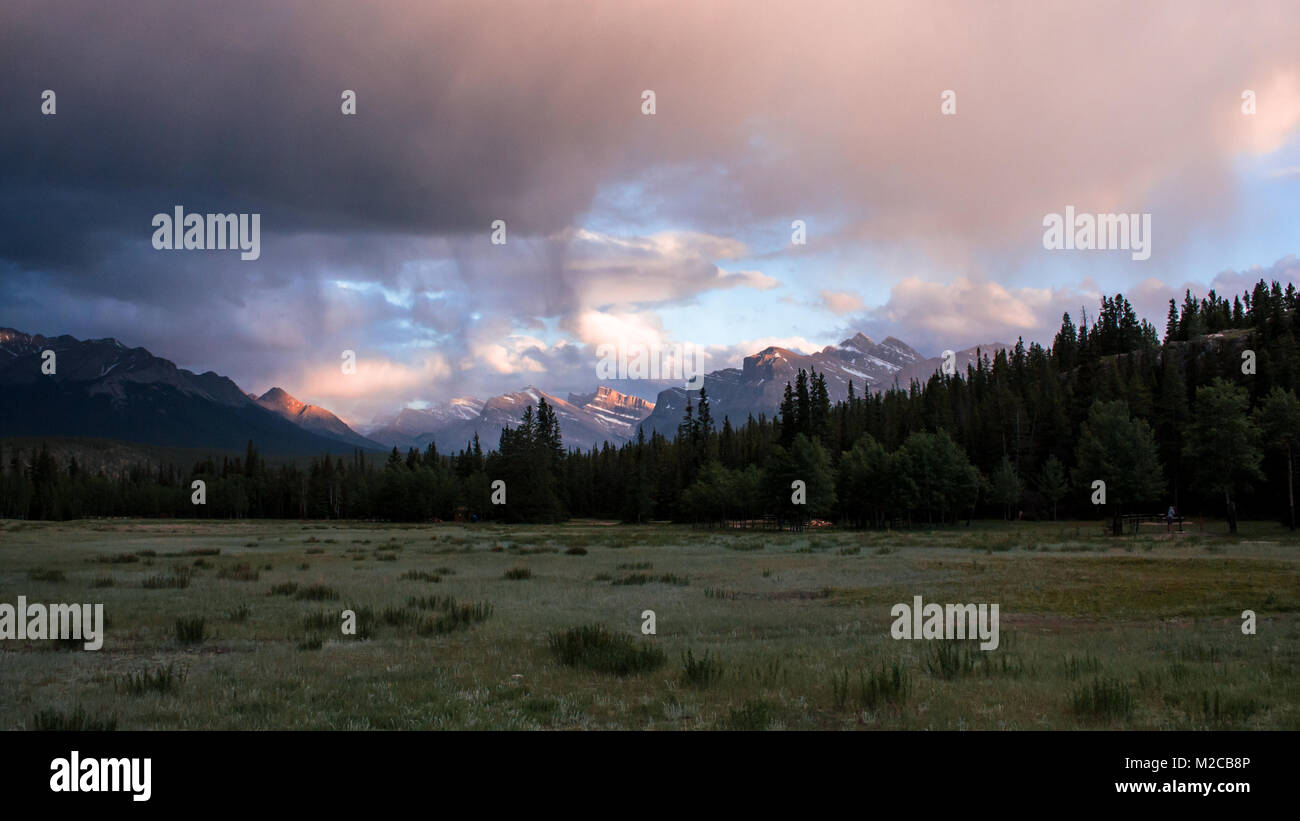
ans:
(1169, 519)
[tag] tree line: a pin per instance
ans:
(1205, 419)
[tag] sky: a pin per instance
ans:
(624, 227)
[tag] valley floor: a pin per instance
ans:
(753, 630)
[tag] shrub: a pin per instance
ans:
(239, 573)
(284, 589)
(429, 602)
(43, 575)
(190, 630)
(595, 647)
(454, 616)
(771, 673)
(703, 672)
(950, 659)
(178, 578)
(320, 620)
(317, 592)
(102, 581)
(840, 689)
(721, 593)
(642, 578)
(78, 719)
(1076, 666)
(396, 616)
(576, 551)
(420, 576)
(158, 680)
(366, 620)
(239, 614)
(518, 574)
(1222, 709)
(886, 685)
(754, 714)
(1104, 698)
(117, 558)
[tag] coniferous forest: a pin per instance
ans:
(1206, 419)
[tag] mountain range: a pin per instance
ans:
(104, 389)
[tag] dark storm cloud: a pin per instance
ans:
(236, 107)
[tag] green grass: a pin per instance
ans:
(754, 631)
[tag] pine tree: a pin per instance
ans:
(789, 418)
(802, 404)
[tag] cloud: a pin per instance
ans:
(530, 113)
(839, 302)
(932, 316)
(937, 315)
(525, 112)
(376, 382)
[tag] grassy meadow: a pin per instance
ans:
(236, 625)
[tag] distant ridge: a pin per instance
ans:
(104, 389)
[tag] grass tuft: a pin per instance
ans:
(178, 578)
(77, 720)
(596, 648)
(702, 672)
(420, 576)
(190, 630)
(1103, 699)
(239, 573)
(157, 680)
